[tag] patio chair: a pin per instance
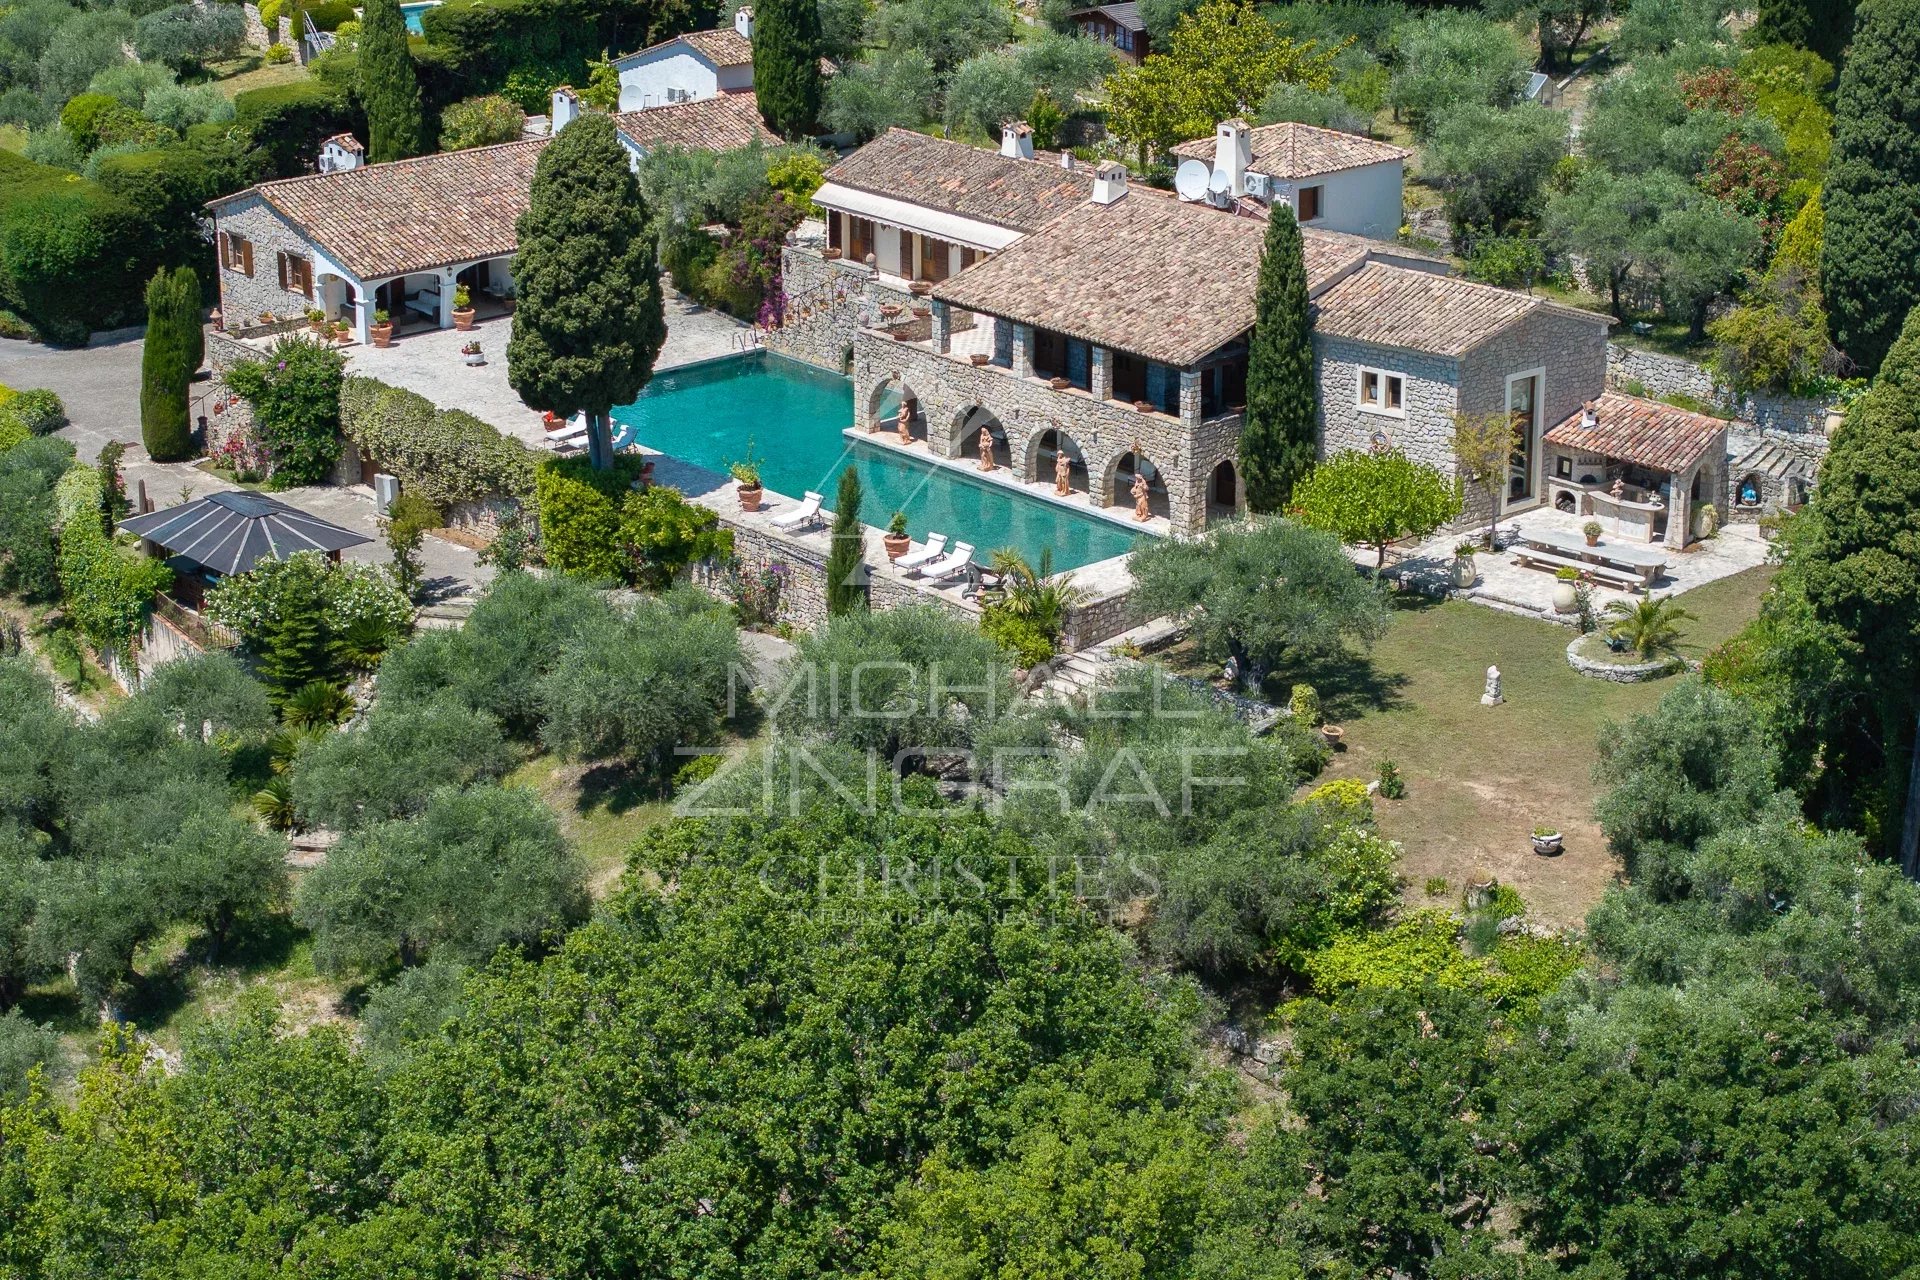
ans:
(935, 548)
(806, 513)
(951, 567)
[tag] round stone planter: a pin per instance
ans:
(1564, 598)
(1618, 672)
(1463, 574)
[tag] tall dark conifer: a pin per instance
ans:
(590, 321)
(1870, 262)
(168, 359)
(389, 86)
(786, 65)
(1279, 442)
(846, 569)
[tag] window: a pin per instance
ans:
(1523, 410)
(1382, 392)
(1309, 208)
(236, 253)
(1123, 38)
(296, 274)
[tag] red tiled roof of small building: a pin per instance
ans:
(1290, 150)
(971, 182)
(1442, 315)
(708, 124)
(1653, 435)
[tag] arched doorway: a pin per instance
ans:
(967, 429)
(1042, 454)
(888, 401)
(1223, 492)
(1119, 487)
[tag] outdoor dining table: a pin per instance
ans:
(1649, 565)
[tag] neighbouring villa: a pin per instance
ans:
(1118, 25)
(1333, 181)
(687, 68)
(356, 238)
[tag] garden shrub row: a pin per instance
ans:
(70, 251)
(442, 455)
(106, 588)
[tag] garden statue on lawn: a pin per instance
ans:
(1492, 697)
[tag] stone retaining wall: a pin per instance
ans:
(827, 303)
(803, 599)
(1664, 375)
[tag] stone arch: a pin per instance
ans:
(885, 402)
(966, 435)
(1751, 491)
(1116, 486)
(1042, 447)
(1223, 491)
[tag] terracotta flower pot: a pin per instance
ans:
(1334, 735)
(896, 544)
(1059, 384)
(1593, 539)
(831, 255)
(750, 498)
(920, 288)
(320, 327)
(463, 317)
(1143, 406)
(382, 335)
(977, 359)
(902, 335)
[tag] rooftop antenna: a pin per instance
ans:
(1190, 180)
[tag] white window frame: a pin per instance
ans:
(1538, 443)
(1379, 408)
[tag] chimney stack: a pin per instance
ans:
(1109, 182)
(1589, 415)
(1066, 159)
(564, 110)
(1016, 140)
(1232, 153)
(743, 21)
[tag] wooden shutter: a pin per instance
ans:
(226, 251)
(246, 257)
(280, 264)
(303, 275)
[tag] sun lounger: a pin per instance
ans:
(951, 567)
(935, 548)
(807, 512)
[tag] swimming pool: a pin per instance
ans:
(794, 414)
(411, 13)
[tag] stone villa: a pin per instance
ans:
(1016, 302)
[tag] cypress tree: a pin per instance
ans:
(846, 570)
(1870, 264)
(1858, 556)
(590, 321)
(1279, 440)
(389, 87)
(786, 64)
(168, 359)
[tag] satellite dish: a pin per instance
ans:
(1220, 183)
(1190, 180)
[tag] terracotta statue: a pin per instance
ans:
(908, 406)
(1140, 498)
(986, 448)
(1062, 472)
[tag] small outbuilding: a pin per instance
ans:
(1646, 465)
(224, 534)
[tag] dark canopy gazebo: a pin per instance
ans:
(224, 534)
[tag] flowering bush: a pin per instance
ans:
(351, 593)
(295, 394)
(756, 593)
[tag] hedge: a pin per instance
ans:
(167, 189)
(476, 44)
(443, 455)
(71, 253)
(580, 516)
(288, 121)
(106, 589)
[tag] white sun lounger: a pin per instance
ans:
(952, 566)
(935, 548)
(807, 512)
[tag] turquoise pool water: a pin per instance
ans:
(794, 415)
(412, 12)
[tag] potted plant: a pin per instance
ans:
(1143, 406)
(896, 540)
(1464, 572)
(462, 307)
(318, 320)
(471, 354)
(341, 334)
(1706, 520)
(1334, 735)
(831, 255)
(1058, 383)
(746, 473)
(382, 330)
(1546, 840)
(978, 358)
(1565, 598)
(1592, 530)
(920, 288)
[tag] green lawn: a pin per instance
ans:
(253, 72)
(601, 812)
(1480, 778)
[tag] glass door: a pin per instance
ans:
(1523, 409)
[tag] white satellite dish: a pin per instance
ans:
(1220, 183)
(1190, 180)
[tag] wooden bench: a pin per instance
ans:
(1533, 557)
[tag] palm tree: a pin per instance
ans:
(1648, 627)
(1031, 593)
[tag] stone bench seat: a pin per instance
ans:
(1533, 557)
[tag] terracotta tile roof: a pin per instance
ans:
(709, 124)
(1289, 151)
(1654, 435)
(969, 181)
(1423, 311)
(722, 46)
(1169, 281)
(411, 215)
